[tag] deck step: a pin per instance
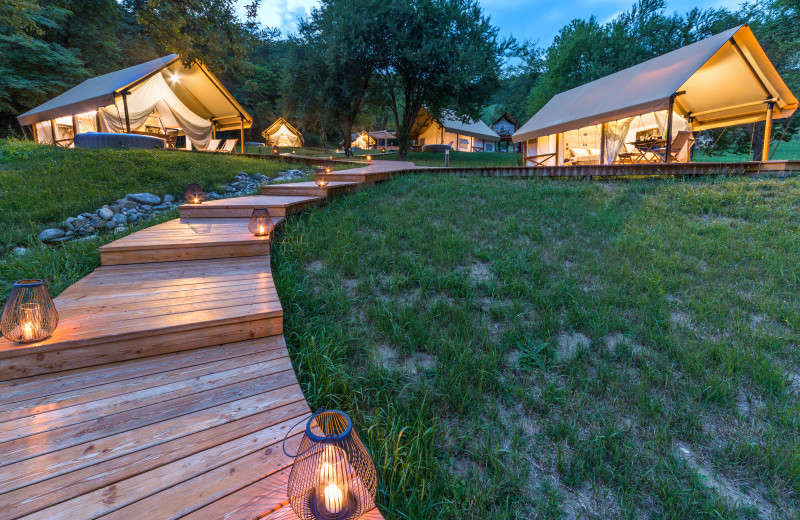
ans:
(310, 189)
(130, 311)
(242, 207)
(186, 239)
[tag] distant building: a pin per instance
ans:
(505, 126)
(474, 136)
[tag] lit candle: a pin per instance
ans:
(196, 200)
(261, 230)
(27, 331)
(333, 499)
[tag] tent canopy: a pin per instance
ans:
(195, 87)
(382, 135)
(477, 129)
(281, 133)
(723, 80)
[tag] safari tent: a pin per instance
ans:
(161, 97)
(362, 140)
(281, 133)
(382, 136)
(649, 112)
(473, 136)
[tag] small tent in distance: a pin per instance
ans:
(281, 133)
(650, 111)
(162, 97)
(504, 126)
(364, 141)
(473, 136)
(382, 137)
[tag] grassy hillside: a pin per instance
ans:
(538, 349)
(42, 185)
(464, 159)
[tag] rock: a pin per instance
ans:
(79, 222)
(145, 207)
(88, 237)
(51, 234)
(97, 222)
(19, 251)
(62, 239)
(133, 217)
(105, 213)
(160, 207)
(144, 198)
(87, 216)
(229, 189)
(119, 218)
(213, 196)
(128, 204)
(116, 208)
(120, 229)
(169, 198)
(111, 224)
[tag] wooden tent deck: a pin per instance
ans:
(167, 389)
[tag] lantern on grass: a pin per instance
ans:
(369, 158)
(261, 224)
(195, 194)
(383, 150)
(275, 149)
(333, 476)
(29, 314)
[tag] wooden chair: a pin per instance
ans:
(678, 143)
(212, 145)
(228, 146)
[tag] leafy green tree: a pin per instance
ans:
(444, 55)
(333, 60)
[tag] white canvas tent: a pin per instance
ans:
(161, 97)
(720, 81)
(472, 136)
(382, 136)
(363, 141)
(281, 133)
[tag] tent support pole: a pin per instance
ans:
(241, 121)
(53, 131)
(559, 149)
(125, 104)
(670, 110)
(35, 133)
(767, 132)
(98, 128)
(214, 130)
(74, 126)
(603, 143)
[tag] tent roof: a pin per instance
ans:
(274, 127)
(196, 87)
(477, 129)
(381, 134)
(718, 75)
(507, 117)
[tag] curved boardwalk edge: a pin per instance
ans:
(167, 389)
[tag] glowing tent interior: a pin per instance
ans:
(281, 133)
(472, 136)
(161, 97)
(650, 111)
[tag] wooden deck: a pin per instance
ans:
(310, 189)
(167, 389)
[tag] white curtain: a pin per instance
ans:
(155, 94)
(616, 134)
(44, 133)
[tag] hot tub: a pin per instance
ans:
(111, 140)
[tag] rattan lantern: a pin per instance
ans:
(195, 194)
(333, 476)
(29, 314)
(369, 158)
(261, 224)
(275, 149)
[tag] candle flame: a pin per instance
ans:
(333, 498)
(261, 230)
(27, 331)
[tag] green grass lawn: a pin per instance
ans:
(464, 159)
(42, 185)
(538, 349)
(779, 151)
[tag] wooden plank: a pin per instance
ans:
(183, 253)
(242, 207)
(67, 486)
(310, 189)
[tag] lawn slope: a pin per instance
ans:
(539, 349)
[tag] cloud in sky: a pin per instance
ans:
(524, 19)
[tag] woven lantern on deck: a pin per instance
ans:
(333, 476)
(29, 314)
(195, 194)
(261, 224)
(321, 179)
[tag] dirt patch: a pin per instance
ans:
(349, 285)
(793, 381)
(764, 324)
(419, 362)
(728, 491)
(681, 320)
(670, 298)
(315, 266)
(385, 356)
(480, 272)
(616, 338)
(721, 219)
(588, 503)
(569, 343)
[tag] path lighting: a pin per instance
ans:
(261, 224)
(195, 194)
(275, 149)
(321, 179)
(333, 476)
(29, 314)
(369, 158)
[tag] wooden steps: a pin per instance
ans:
(379, 171)
(167, 389)
(144, 436)
(242, 207)
(309, 189)
(187, 239)
(130, 311)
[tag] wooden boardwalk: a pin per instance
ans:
(167, 389)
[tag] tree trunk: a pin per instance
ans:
(758, 140)
(323, 135)
(348, 131)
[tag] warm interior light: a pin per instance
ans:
(261, 224)
(174, 77)
(29, 314)
(27, 332)
(369, 157)
(333, 499)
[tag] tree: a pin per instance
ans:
(332, 61)
(444, 55)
